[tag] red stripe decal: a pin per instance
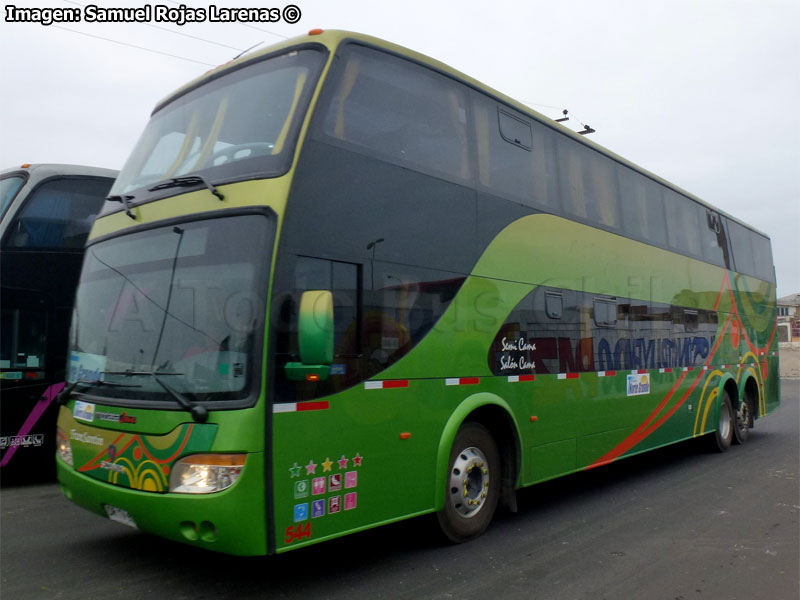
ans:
(395, 383)
(469, 381)
(321, 405)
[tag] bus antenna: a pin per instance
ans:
(245, 51)
(564, 118)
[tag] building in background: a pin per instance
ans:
(789, 318)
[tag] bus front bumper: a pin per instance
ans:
(232, 521)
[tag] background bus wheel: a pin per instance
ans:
(723, 436)
(744, 419)
(473, 484)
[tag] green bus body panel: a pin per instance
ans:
(564, 423)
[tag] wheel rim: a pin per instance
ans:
(743, 416)
(469, 482)
(724, 420)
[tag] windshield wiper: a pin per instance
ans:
(199, 413)
(124, 198)
(187, 181)
(63, 395)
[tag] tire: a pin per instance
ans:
(473, 484)
(724, 435)
(743, 420)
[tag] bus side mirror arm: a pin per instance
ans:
(315, 337)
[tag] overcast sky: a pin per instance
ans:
(705, 93)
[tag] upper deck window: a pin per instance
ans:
(400, 111)
(642, 207)
(588, 184)
(752, 254)
(684, 220)
(243, 124)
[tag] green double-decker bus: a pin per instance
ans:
(338, 284)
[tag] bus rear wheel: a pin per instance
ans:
(744, 419)
(473, 484)
(723, 436)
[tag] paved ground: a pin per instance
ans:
(790, 361)
(675, 524)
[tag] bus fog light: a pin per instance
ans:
(206, 473)
(63, 447)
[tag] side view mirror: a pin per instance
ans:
(315, 337)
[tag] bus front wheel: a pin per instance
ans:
(473, 484)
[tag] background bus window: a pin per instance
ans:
(22, 339)
(400, 111)
(58, 215)
(8, 190)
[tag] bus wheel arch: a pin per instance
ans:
(493, 414)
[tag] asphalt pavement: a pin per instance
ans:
(675, 524)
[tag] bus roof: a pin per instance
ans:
(44, 170)
(332, 39)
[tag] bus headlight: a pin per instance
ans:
(63, 448)
(205, 473)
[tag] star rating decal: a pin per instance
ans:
(296, 470)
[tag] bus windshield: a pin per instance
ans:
(243, 124)
(184, 301)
